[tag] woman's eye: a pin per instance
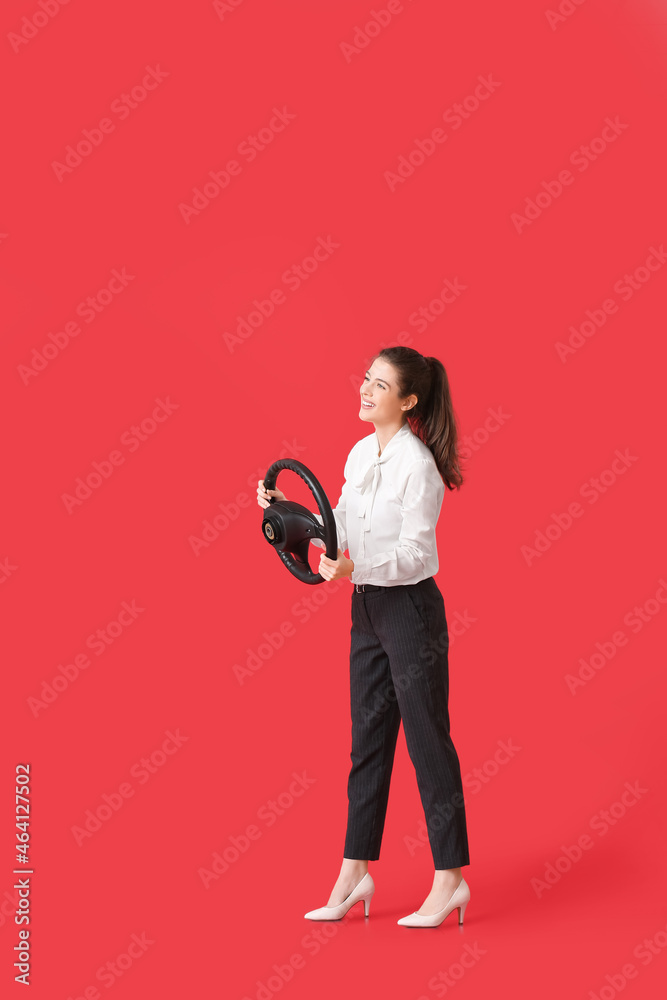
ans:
(379, 384)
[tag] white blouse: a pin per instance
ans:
(388, 509)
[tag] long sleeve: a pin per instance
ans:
(340, 514)
(422, 500)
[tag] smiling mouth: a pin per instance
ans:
(367, 406)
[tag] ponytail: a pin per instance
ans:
(432, 419)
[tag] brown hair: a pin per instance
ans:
(432, 418)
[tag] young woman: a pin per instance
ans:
(386, 516)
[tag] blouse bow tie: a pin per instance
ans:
(368, 484)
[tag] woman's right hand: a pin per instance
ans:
(263, 494)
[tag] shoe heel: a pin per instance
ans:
(367, 904)
(462, 909)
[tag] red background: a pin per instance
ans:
(296, 379)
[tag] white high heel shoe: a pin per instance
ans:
(362, 890)
(458, 900)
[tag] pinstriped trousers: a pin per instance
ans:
(399, 671)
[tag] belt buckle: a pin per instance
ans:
(360, 587)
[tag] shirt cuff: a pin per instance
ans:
(361, 569)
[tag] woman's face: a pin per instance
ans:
(380, 389)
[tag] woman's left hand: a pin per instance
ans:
(335, 569)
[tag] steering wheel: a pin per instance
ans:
(289, 527)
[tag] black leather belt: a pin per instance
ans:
(361, 587)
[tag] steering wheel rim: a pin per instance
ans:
(284, 520)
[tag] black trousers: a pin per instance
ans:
(399, 670)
